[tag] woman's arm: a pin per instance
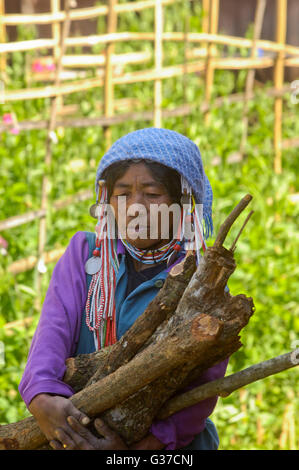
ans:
(59, 325)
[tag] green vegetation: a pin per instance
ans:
(267, 253)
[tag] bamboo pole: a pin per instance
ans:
(258, 23)
(210, 67)
(148, 115)
(2, 37)
(108, 79)
(158, 63)
(81, 13)
(206, 7)
(225, 386)
(196, 38)
(281, 25)
(134, 77)
(26, 264)
(91, 60)
(48, 159)
(56, 34)
(18, 220)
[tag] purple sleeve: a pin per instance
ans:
(180, 429)
(59, 325)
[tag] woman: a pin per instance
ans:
(103, 283)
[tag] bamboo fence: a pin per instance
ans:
(70, 77)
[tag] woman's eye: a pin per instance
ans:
(153, 195)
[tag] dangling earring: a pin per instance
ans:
(94, 208)
(97, 210)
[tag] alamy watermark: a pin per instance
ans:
(2, 353)
(295, 93)
(159, 221)
(295, 353)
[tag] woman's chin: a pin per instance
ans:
(143, 244)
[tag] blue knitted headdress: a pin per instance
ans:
(170, 149)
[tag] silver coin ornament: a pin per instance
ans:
(93, 210)
(93, 265)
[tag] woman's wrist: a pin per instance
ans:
(38, 401)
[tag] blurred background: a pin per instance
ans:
(76, 76)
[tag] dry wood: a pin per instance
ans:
(192, 338)
(159, 309)
(225, 227)
(204, 293)
(225, 386)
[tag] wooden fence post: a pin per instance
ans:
(209, 73)
(48, 158)
(108, 79)
(281, 25)
(258, 23)
(56, 35)
(158, 63)
(2, 38)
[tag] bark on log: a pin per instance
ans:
(191, 339)
(225, 386)
(205, 293)
(86, 369)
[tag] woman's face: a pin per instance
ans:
(135, 198)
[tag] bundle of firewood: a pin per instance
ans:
(192, 324)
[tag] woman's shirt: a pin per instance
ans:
(58, 331)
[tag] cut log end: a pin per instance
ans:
(205, 327)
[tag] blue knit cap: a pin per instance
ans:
(170, 149)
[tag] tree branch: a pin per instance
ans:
(225, 386)
(225, 227)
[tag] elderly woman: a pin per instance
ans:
(106, 279)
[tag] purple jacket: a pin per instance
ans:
(58, 332)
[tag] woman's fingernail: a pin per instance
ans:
(85, 421)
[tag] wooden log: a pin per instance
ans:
(159, 309)
(227, 385)
(205, 293)
(190, 340)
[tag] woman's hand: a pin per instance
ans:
(83, 439)
(51, 413)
